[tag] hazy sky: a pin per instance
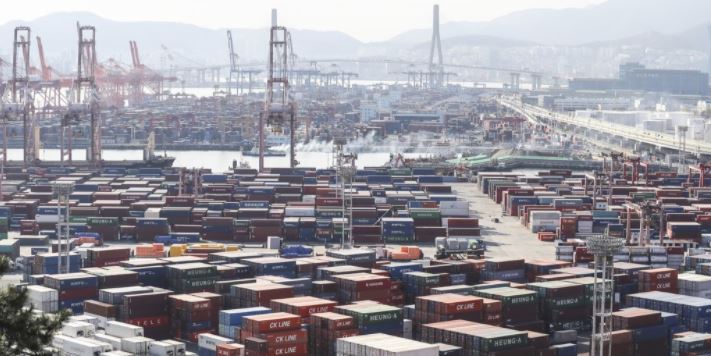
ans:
(367, 20)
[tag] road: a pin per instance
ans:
(627, 132)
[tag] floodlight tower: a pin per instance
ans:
(603, 247)
(345, 171)
(62, 190)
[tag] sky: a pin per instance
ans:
(366, 20)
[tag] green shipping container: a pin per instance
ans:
(509, 296)
(103, 221)
(498, 340)
(78, 219)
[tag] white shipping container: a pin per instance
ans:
(300, 211)
(46, 219)
(58, 340)
(152, 213)
(384, 345)
(463, 213)
(161, 348)
(119, 329)
(117, 353)
(100, 320)
(179, 347)
(43, 298)
(78, 329)
(136, 345)
(86, 318)
(114, 341)
(81, 346)
(210, 341)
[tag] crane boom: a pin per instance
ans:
(45, 69)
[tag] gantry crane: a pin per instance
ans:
(234, 68)
(85, 99)
(279, 108)
(19, 105)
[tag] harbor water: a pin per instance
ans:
(219, 160)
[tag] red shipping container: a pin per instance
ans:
(272, 322)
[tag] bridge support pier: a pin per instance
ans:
(535, 82)
(515, 81)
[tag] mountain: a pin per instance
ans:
(663, 25)
(611, 20)
(188, 45)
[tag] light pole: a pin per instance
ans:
(603, 247)
(62, 191)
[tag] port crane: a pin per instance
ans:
(85, 99)
(234, 68)
(279, 108)
(17, 105)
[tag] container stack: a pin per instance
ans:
(691, 344)
(43, 298)
(421, 283)
(398, 230)
(274, 334)
(505, 269)
(147, 229)
(372, 317)
(362, 286)
(562, 305)
(190, 316)
(192, 277)
(208, 344)
(106, 256)
(478, 339)
(301, 286)
(113, 277)
(650, 330)
(658, 279)
(398, 269)
(519, 307)
(696, 285)
(148, 310)
(444, 307)
(108, 228)
(383, 344)
(218, 229)
(302, 306)
(230, 320)
(465, 227)
(48, 263)
(325, 329)
(682, 230)
(354, 257)
(696, 312)
(73, 289)
(274, 266)
(258, 294)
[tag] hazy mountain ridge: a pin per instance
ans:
(641, 24)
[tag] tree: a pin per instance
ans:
(21, 330)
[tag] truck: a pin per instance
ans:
(459, 247)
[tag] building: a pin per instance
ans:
(634, 76)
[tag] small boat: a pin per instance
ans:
(254, 152)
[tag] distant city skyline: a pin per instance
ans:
(365, 20)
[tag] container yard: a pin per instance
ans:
(157, 262)
(301, 214)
